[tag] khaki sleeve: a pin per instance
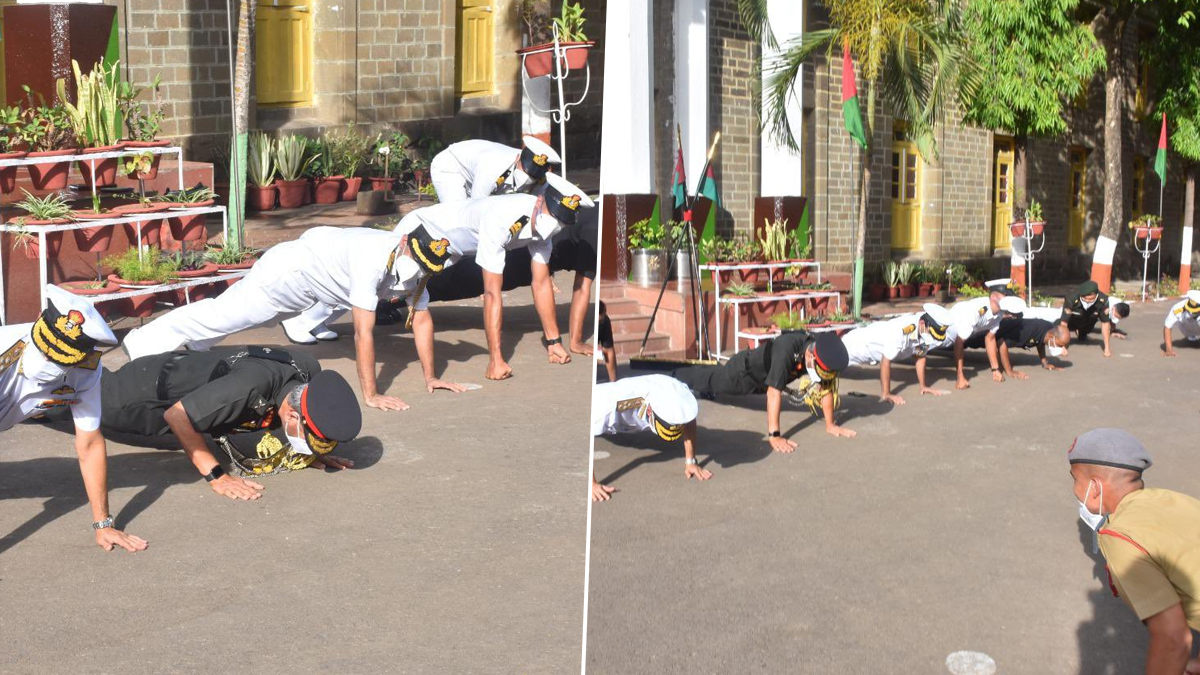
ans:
(1138, 578)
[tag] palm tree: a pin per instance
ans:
(911, 54)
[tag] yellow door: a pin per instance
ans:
(1078, 197)
(476, 48)
(1002, 194)
(283, 58)
(906, 195)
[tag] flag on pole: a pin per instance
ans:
(1160, 159)
(679, 186)
(708, 187)
(850, 110)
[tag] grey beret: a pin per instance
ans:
(1110, 447)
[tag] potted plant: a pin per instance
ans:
(745, 251)
(677, 235)
(142, 124)
(329, 181)
(46, 131)
(818, 303)
(790, 321)
(390, 158)
(261, 168)
(291, 159)
(1033, 218)
(891, 278)
(800, 251)
(231, 258)
(1148, 225)
(134, 268)
(93, 239)
(10, 139)
(539, 57)
(842, 322)
(350, 148)
(151, 229)
(646, 238)
(190, 265)
(192, 227)
(312, 167)
(95, 119)
(877, 290)
(428, 147)
(907, 273)
(52, 209)
(773, 242)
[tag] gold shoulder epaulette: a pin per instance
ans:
(12, 355)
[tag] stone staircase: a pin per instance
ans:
(629, 308)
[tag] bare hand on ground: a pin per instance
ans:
(237, 488)
(386, 402)
(435, 384)
(333, 461)
(110, 537)
(781, 444)
(601, 493)
(498, 370)
(556, 354)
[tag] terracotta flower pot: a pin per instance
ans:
(54, 240)
(907, 290)
(151, 232)
(51, 175)
(139, 306)
(137, 208)
(893, 292)
(818, 304)
(748, 276)
(194, 292)
(377, 182)
(155, 159)
(1152, 232)
(260, 198)
(93, 239)
(876, 292)
(350, 188)
(106, 169)
(291, 192)
(328, 189)
(539, 59)
(8, 174)
(924, 290)
(190, 228)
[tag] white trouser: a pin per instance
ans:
(202, 324)
(313, 318)
(447, 179)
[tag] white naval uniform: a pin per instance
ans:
(22, 397)
(892, 340)
(1188, 324)
(337, 267)
(470, 169)
(974, 316)
(1050, 314)
(618, 407)
(483, 228)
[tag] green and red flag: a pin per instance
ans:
(850, 110)
(1160, 159)
(679, 185)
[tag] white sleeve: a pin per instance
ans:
(1173, 316)
(364, 287)
(540, 251)
(892, 348)
(86, 412)
(490, 253)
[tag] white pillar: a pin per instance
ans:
(691, 84)
(627, 139)
(782, 173)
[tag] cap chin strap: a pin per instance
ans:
(412, 301)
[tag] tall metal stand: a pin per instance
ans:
(1030, 252)
(1146, 243)
(562, 113)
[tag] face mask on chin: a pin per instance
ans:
(38, 368)
(547, 226)
(298, 442)
(1095, 521)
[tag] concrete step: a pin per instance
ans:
(629, 323)
(621, 306)
(627, 345)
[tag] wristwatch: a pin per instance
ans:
(775, 434)
(216, 473)
(689, 461)
(102, 524)
(556, 341)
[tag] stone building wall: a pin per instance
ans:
(732, 104)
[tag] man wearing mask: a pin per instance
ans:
(813, 359)
(478, 168)
(53, 364)
(1184, 315)
(886, 342)
(1149, 538)
(979, 317)
(1086, 307)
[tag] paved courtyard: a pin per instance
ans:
(456, 545)
(946, 525)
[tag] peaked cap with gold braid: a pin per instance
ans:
(68, 331)
(431, 254)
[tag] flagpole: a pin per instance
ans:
(1162, 183)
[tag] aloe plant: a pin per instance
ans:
(891, 273)
(95, 116)
(905, 273)
(290, 157)
(261, 161)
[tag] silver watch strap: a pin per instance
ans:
(102, 524)
(690, 461)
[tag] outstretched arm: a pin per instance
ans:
(690, 468)
(959, 358)
(93, 465)
(885, 383)
(989, 343)
(493, 318)
(543, 301)
(831, 426)
(774, 406)
(922, 363)
(423, 336)
(1106, 333)
(197, 451)
(1168, 348)
(364, 359)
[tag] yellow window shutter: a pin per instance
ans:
(476, 47)
(283, 56)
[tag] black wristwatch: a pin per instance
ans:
(216, 473)
(776, 434)
(556, 341)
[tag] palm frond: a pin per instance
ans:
(756, 20)
(782, 73)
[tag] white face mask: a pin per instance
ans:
(1053, 349)
(1086, 304)
(546, 226)
(1093, 520)
(298, 443)
(38, 368)
(812, 374)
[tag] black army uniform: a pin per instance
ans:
(772, 364)
(223, 390)
(1081, 320)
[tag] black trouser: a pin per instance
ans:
(464, 279)
(731, 379)
(1082, 324)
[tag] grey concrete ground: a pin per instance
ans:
(946, 525)
(455, 546)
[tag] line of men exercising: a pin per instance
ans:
(805, 367)
(272, 410)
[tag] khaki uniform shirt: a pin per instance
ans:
(1152, 547)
